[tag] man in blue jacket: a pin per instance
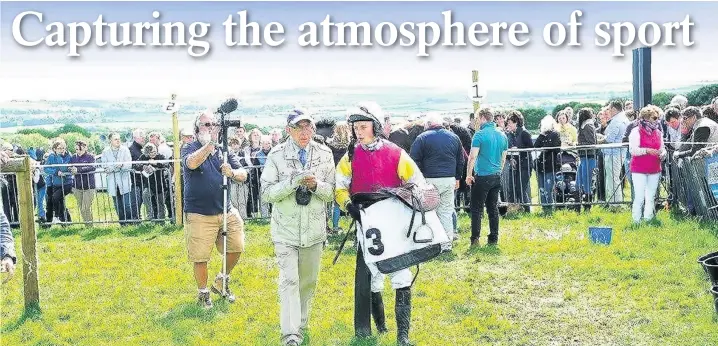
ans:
(440, 157)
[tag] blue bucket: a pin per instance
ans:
(600, 235)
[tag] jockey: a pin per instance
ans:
(369, 165)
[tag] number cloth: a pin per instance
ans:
(382, 233)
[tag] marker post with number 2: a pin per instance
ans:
(173, 107)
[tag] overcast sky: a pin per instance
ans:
(43, 72)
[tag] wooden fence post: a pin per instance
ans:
(477, 106)
(177, 168)
(22, 168)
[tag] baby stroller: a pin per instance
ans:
(566, 190)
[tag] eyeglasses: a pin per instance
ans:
(304, 128)
(210, 124)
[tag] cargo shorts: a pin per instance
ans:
(202, 232)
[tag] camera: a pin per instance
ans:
(231, 123)
(223, 110)
(303, 196)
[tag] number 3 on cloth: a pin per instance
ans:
(377, 247)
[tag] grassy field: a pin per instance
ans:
(544, 284)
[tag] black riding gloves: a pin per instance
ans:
(353, 211)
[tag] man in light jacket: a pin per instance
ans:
(117, 159)
(298, 179)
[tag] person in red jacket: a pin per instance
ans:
(646, 146)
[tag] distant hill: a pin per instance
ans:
(268, 108)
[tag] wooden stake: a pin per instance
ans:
(477, 106)
(177, 168)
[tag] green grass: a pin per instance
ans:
(544, 284)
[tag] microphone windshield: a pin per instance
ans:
(228, 106)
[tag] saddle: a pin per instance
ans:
(420, 199)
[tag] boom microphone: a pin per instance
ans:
(228, 106)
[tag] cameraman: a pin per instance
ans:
(298, 179)
(203, 203)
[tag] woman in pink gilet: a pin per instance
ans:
(645, 143)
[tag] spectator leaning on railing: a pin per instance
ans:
(519, 138)
(117, 160)
(587, 137)
(703, 129)
(548, 162)
(59, 181)
(84, 189)
(163, 149)
(673, 120)
(157, 180)
(40, 187)
(634, 120)
(567, 132)
(137, 194)
(9, 191)
(614, 157)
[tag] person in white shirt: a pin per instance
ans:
(614, 157)
(673, 119)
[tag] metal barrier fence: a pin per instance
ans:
(124, 193)
(697, 185)
(582, 176)
(559, 178)
(553, 178)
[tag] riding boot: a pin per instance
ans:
(377, 311)
(362, 298)
(402, 310)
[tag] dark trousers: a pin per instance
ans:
(157, 197)
(362, 297)
(10, 202)
(56, 205)
(601, 179)
(520, 192)
(485, 192)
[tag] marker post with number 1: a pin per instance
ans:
(476, 93)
